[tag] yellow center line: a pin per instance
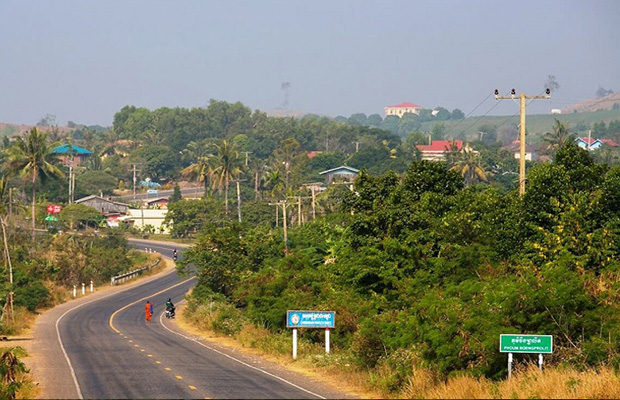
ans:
(142, 350)
(136, 345)
(150, 355)
(167, 369)
(179, 377)
(157, 362)
(192, 387)
(111, 320)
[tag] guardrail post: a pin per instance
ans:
(83, 288)
(91, 286)
(74, 291)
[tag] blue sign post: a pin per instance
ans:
(310, 319)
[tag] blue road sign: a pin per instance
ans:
(310, 319)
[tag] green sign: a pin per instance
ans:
(542, 344)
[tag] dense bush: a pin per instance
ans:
(420, 268)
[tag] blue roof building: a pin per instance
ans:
(72, 155)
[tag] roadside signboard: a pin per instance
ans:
(53, 208)
(541, 344)
(151, 191)
(310, 319)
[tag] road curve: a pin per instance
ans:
(105, 349)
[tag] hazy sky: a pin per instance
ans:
(84, 60)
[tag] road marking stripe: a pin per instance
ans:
(157, 362)
(142, 350)
(62, 346)
(179, 377)
(149, 355)
(111, 321)
(237, 360)
(167, 369)
(192, 387)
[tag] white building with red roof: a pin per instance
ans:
(437, 150)
(403, 108)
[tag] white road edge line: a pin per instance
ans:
(62, 347)
(161, 321)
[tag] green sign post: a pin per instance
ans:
(541, 344)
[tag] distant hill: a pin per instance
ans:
(600, 103)
(7, 129)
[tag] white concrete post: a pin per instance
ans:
(74, 291)
(146, 249)
(509, 365)
(294, 344)
(540, 361)
(91, 286)
(327, 340)
(83, 288)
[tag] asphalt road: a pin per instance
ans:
(185, 192)
(113, 353)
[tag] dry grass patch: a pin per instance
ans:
(553, 383)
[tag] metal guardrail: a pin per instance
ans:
(131, 274)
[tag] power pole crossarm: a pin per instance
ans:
(522, 98)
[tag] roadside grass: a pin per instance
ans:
(527, 383)
(20, 323)
(387, 379)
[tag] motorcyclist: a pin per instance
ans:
(174, 254)
(170, 306)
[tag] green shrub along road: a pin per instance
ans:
(424, 271)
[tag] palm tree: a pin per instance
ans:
(4, 207)
(558, 136)
(259, 174)
(31, 157)
(468, 163)
(201, 170)
(226, 166)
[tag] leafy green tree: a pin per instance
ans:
(176, 194)
(94, 182)
(32, 158)
(457, 114)
(159, 162)
(79, 215)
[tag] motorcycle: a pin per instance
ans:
(170, 313)
(174, 254)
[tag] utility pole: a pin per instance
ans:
(312, 187)
(357, 146)
(239, 198)
(522, 98)
(134, 170)
(284, 223)
(299, 213)
(246, 156)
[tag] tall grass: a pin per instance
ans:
(529, 383)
